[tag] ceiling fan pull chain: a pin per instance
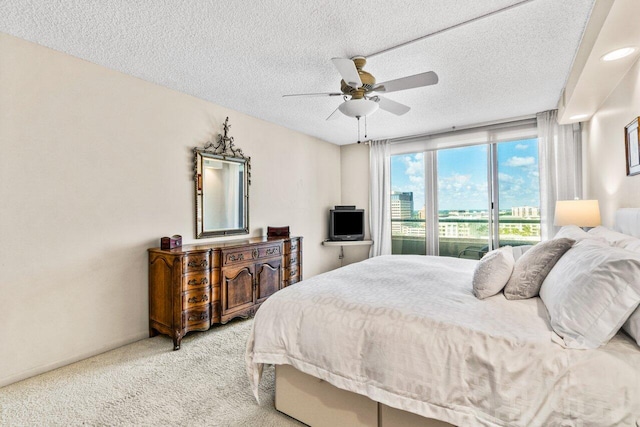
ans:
(358, 117)
(365, 127)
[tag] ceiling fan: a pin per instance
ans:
(360, 90)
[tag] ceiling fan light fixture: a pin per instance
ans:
(358, 107)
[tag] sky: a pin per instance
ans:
(462, 176)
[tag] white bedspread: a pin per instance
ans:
(407, 331)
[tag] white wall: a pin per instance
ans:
(354, 164)
(96, 166)
(606, 178)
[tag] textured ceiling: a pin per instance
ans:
(245, 55)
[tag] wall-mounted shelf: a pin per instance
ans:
(343, 243)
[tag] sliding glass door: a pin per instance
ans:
(483, 196)
(519, 193)
(463, 200)
(408, 232)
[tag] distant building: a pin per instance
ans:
(401, 208)
(525, 212)
(467, 214)
(454, 229)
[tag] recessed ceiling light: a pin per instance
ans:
(579, 117)
(618, 53)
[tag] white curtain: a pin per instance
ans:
(431, 202)
(380, 197)
(560, 159)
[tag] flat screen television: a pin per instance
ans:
(346, 224)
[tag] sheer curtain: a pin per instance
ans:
(560, 159)
(380, 197)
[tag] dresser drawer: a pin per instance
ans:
(239, 256)
(291, 259)
(196, 262)
(292, 272)
(269, 251)
(198, 297)
(293, 280)
(195, 280)
(197, 317)
(292, 246)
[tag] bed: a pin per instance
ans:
(402, 340)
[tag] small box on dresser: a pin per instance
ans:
(195, 286)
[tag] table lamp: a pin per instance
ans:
(583, 213)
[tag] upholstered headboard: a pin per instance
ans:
(628, 221)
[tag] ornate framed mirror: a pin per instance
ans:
(222, 175)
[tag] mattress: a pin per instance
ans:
(407, 331)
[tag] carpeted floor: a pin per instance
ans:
(148, 384)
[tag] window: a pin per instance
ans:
(518, 193)
(463, 200)
(485, 195)
(407, 204)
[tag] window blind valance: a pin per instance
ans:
(498, 132)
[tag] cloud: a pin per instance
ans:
(516, 161)
(504, 177)
(459, 179)
(458, 191)
(522, 146)
(414, 164)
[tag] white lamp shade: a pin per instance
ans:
(583, 213)
(358, 107)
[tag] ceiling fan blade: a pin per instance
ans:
(348, 71)
(418, 80)
(335, 114)
(391, 106)
(315, 94)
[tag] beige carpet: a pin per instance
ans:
(148, 384)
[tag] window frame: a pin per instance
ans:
(429, 145)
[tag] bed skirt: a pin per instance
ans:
(319, 404)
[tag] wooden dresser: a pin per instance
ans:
(195, 286)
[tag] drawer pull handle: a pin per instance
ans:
(201, 316)
(195, 282)
(202, 263)
(239, 257)
(272, 251)
(193, 300)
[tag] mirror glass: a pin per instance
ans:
(222, 199)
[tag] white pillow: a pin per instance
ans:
(492, 272)
(613, 237)
(572, 232)
(632, 325)
(590, 292)
(518, 251)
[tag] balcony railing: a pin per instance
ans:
(472, 243)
